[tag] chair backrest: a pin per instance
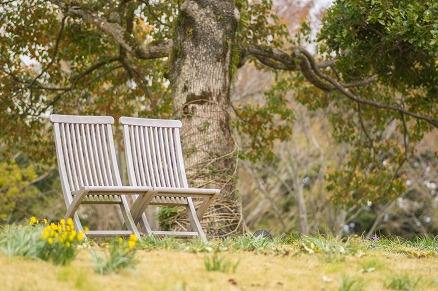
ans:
(153, 152)
(85, 152)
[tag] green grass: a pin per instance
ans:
(402, 282)
(351, 284)
(217, 263)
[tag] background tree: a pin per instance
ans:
(115, 57)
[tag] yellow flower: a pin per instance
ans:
(120, 239)
(80, 236)
(50, 240)
(70, 221)
(33, 220)
(133, 237)
(72, 236)
(131, 244)
(86, 229)
(62, 221)
(67, 244)
(45, 221)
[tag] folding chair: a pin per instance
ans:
(88, 169)
(154, 158)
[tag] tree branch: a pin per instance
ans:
(55, 52)
(355, 98)
(153, 50)
(153, 14)
(76, 80)
(280, 60)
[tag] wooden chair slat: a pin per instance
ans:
(89, 154)
(77, 154)
(151, 141)
(67, 157)
(105, 143)
(85, 148)
(164, 161)
(141, 158)
(174, 159)
(81, 154)
(169, 166)
(96, 158)
(101, 155)
(179, 159)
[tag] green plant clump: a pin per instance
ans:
(402, 282)
(215, 263)
(120, 256)
(55, 242)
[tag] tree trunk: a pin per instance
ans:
(200, 78)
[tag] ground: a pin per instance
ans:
(277, 268)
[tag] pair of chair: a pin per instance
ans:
(89, 171)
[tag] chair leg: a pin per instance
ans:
(194, 221)
(77, 223)
(129, 222)
(145, 226)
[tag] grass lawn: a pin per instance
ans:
(242, 263)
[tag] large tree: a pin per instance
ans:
(377, 59)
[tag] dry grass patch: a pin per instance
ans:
(178, 270)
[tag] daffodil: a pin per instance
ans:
(133, 237)
(131, 244)
(80, 236)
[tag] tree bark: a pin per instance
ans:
(200, 76)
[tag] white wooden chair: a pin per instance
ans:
(154, 158)
(88, 169)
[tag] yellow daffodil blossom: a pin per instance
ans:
(133, 237)
(80, 236)
(50, 240)
(33, 220)
(131, 244)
